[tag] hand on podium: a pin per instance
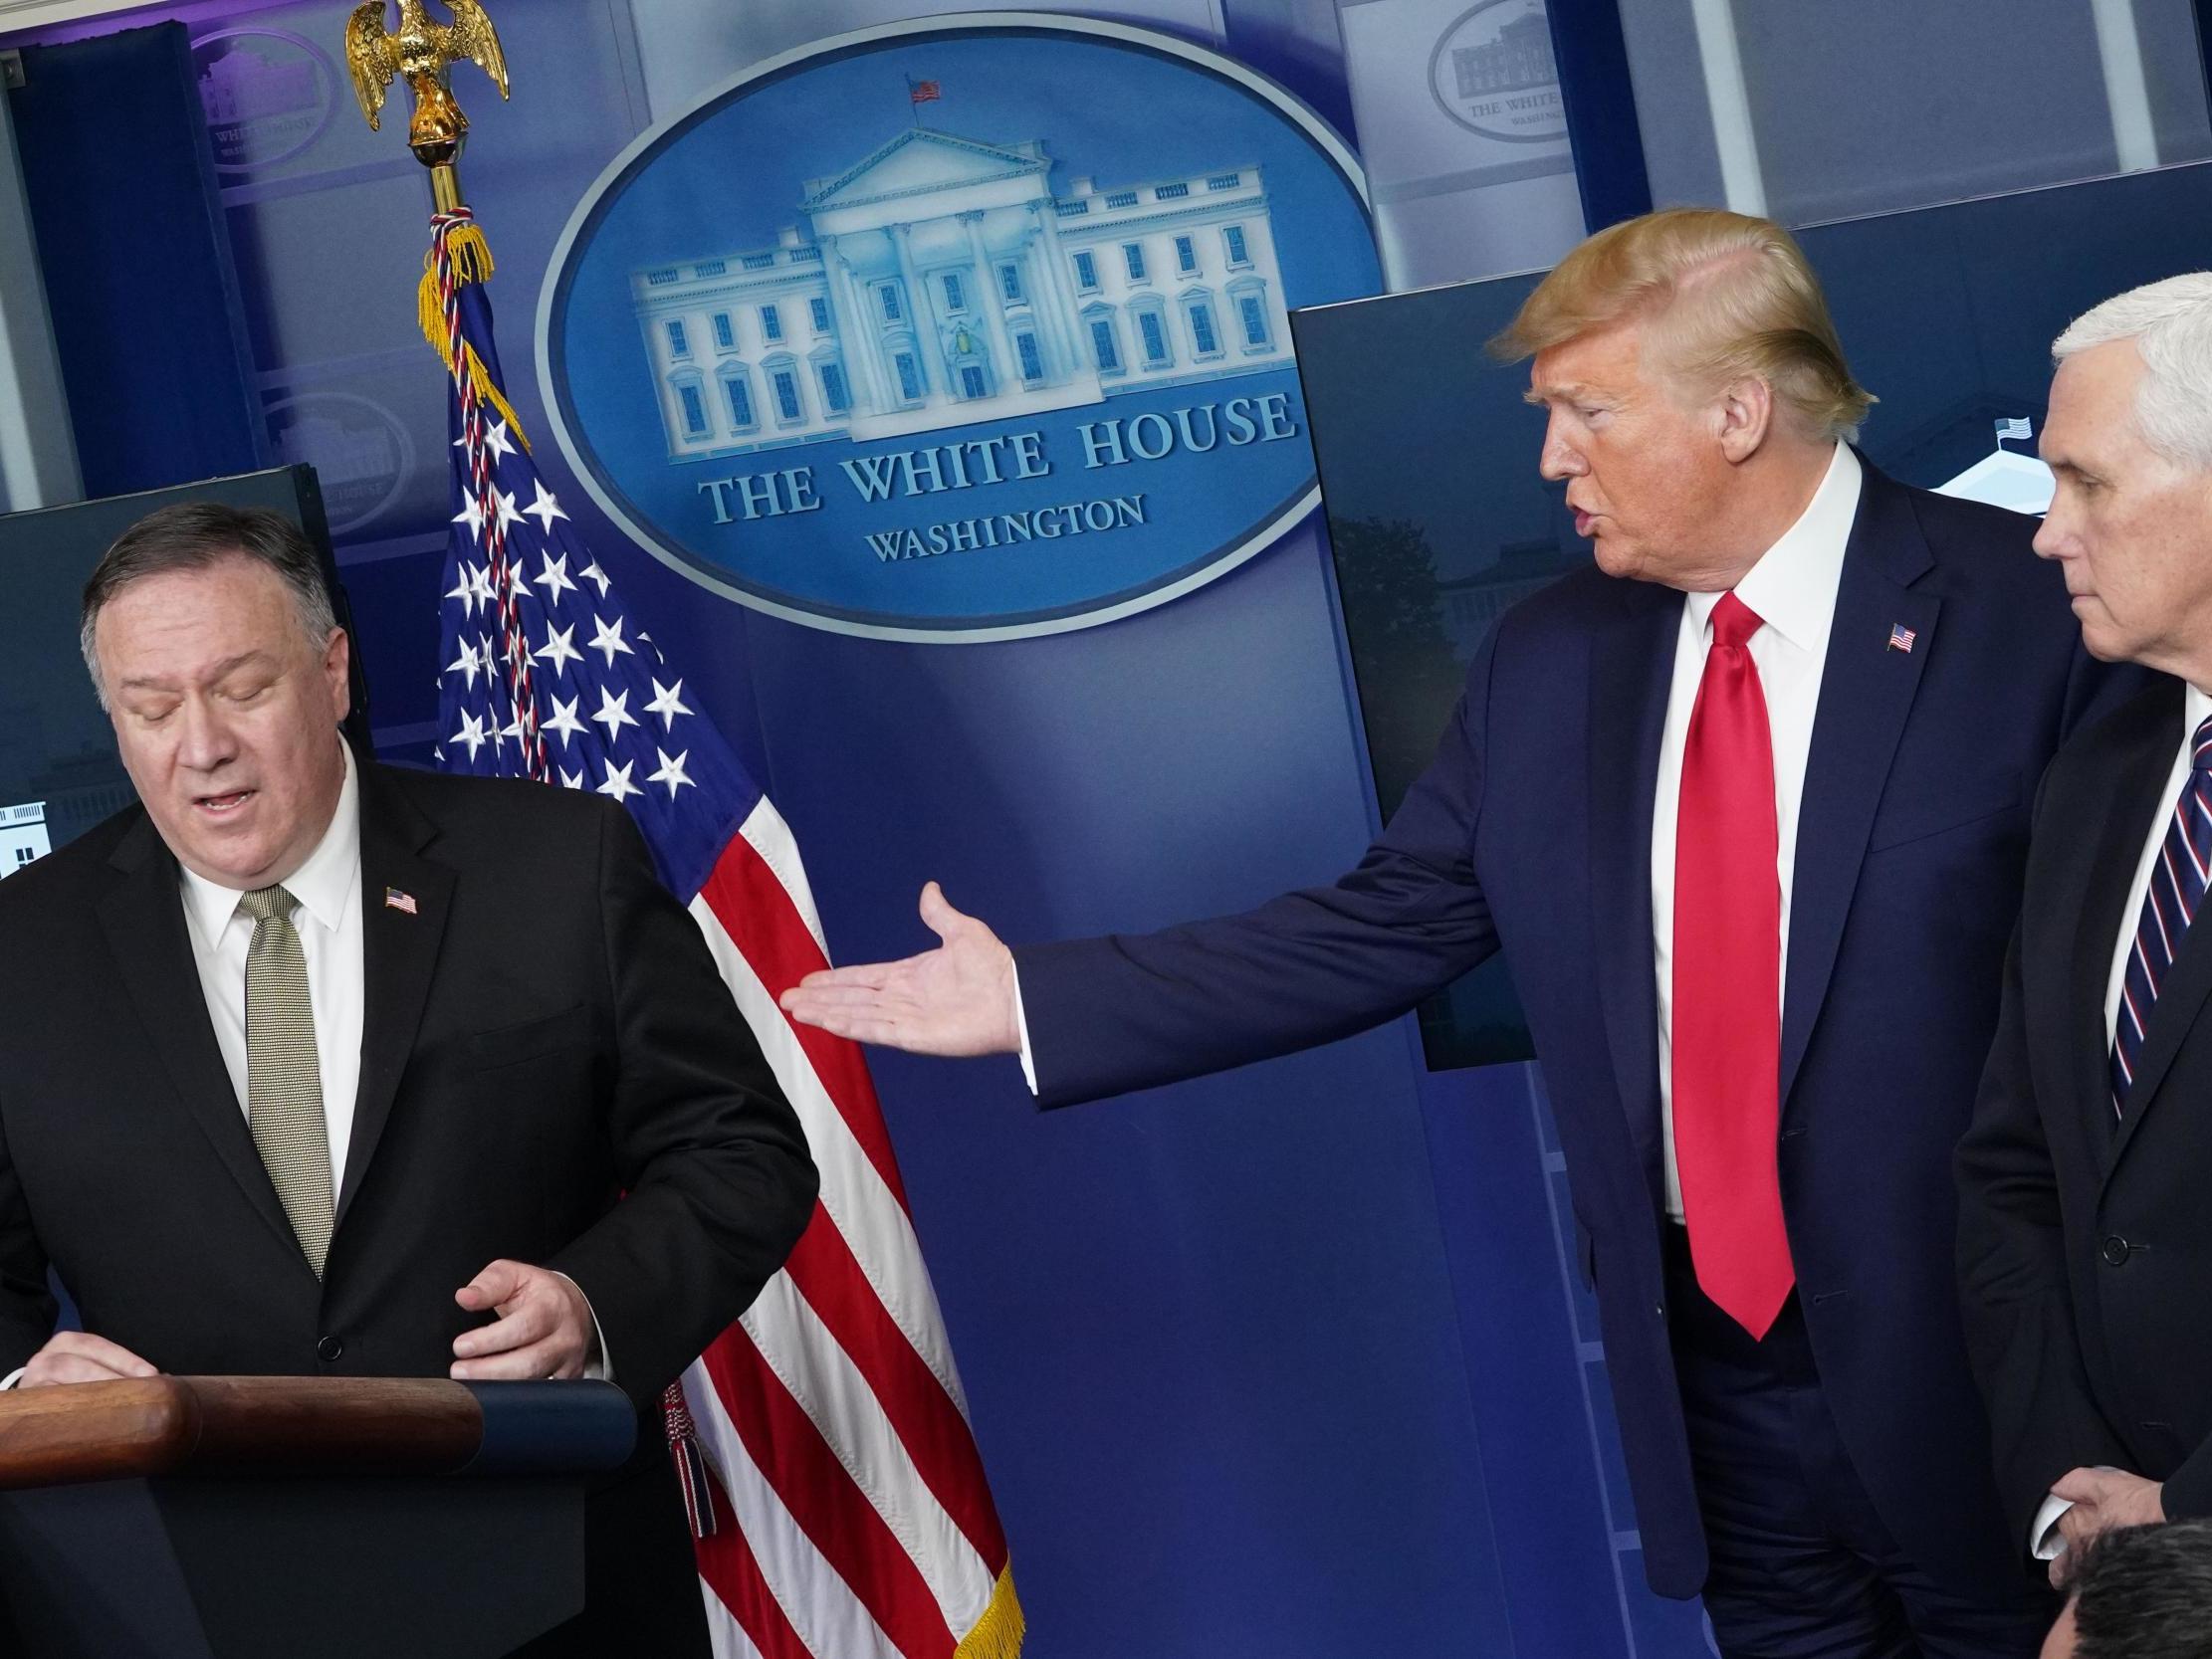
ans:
(958, 1000)
(80, 1356)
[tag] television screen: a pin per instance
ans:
(59, 772)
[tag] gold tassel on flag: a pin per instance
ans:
(998, 1634)
(472, 263)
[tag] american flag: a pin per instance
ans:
(837, 1499)
(922, 91)
(1901, 638)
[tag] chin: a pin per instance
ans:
(2105, 643)
(1616, 560)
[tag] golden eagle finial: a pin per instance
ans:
(422, 53)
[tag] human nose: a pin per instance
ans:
(205, 741)
(1560, 458)
(2055, 536)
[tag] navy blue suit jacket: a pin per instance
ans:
(1531, 832)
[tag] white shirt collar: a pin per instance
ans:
(1792, 589)
(2195, 706)
(322, 884)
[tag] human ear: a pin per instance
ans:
(1746, 410)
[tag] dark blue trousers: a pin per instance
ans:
(1802, 1565)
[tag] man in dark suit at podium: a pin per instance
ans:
(1746, 804)
(2085, 1237)
(315, 1067)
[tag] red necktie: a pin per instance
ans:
(1727, 1002)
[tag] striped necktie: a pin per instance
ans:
(2176, 891)
(284, 1080)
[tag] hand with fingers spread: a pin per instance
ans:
(958, 1000)
(80, 1356)
(544, 1327)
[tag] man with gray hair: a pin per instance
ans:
(2085, 1237)
(317, 1067)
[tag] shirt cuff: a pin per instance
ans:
(2044, 1542)
(1022, 1028)
(600, 1369)
(13, 1377)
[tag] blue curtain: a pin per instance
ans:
(139, 281)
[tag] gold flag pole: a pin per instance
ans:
(423, 54)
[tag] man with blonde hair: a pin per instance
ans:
(1747, 806)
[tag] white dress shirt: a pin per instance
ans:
(329, 922)
(2043, 1535)
(1792, 590)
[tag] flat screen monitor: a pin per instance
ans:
(58, 772)
(1438, 522)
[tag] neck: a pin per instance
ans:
(1770, 492)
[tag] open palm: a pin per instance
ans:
(957, 999)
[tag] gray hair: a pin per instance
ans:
(192, 535)
(2144, 1592)
(2170, 322)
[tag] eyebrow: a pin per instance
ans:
(223, 671)
(1571, 392)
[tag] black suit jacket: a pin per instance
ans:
(544, 1033)
(2084, 1243)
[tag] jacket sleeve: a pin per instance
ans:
(27, 1306)
(711, 1160)
(2014, 1299)
(1128, 1011)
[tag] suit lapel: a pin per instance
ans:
(2090, 890)
(399, 953)
(1632, 667)
(2142, 766)
(142, 916)
(1867, 690)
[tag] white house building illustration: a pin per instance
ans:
(940, 282)
(23, 836)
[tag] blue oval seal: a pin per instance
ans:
(959, 329)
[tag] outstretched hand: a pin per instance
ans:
(957, 999)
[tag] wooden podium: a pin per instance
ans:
(228, 1518)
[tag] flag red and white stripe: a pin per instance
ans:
(832, 1414)
(836, 1494)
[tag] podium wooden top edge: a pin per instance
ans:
(283, 1425)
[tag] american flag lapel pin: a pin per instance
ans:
(395, 899)
(1901, 638)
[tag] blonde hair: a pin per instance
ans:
(1731, 297)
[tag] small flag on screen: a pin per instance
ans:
(1901, 637)
(922, 91)
(395, 899)
(2017, 430)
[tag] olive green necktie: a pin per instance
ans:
(284, 1084)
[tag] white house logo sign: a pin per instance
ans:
(957, 331)
(1493, 73)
